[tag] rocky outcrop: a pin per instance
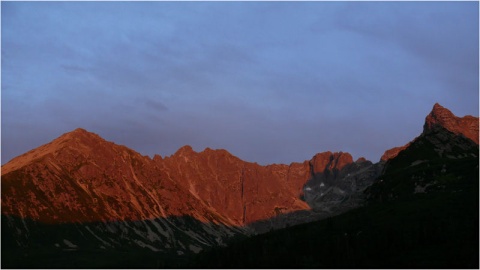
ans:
(391, 153)
(440, 116)
(80, 177)
(445, 154)
(337, 183)
(107, 193)
(330, 161)
(243, 192)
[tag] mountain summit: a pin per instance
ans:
(441, 117)
(80, 177)
(78, 140)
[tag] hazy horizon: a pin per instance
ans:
(270, 82)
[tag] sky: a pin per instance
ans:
(271, 82)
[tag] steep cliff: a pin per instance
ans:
(441, 117)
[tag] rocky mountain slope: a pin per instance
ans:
(82, 179)
(466, 126)
(80, 192)
(79, 178)
(338, 185)
(422, 211)
(444, 154)
(441, 117)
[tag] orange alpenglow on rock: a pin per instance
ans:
(80, 177)
(440, 116)
(328, 160)
(444, 118)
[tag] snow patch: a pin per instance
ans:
(143, 245)
(25, 224)
(420, 189)
(159, 228)
(417, 162)
(194, 248)
(196, 237)
(150, 234)
(94, 235)
(111, 228)
(69, 244)
(136, 230)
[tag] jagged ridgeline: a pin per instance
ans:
(83, 202)
(422, 211)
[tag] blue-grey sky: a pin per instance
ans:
(271, 82)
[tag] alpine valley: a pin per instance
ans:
(83, 202)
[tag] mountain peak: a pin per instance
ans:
(329, 161)
(437, 106)
(79, 130)
(360, 160)
(79, 133)
(443, 117)
(70, 139)
(184, 150)
(440, 116)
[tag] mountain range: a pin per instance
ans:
(81, 193)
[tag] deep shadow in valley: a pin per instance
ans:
(116, 244)
(436, 230)
(427, 230)
(422, 212)
(402, 226)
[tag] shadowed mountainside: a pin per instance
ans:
(422, 212)
(80, 193)
(441, 117)
(80, 178)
